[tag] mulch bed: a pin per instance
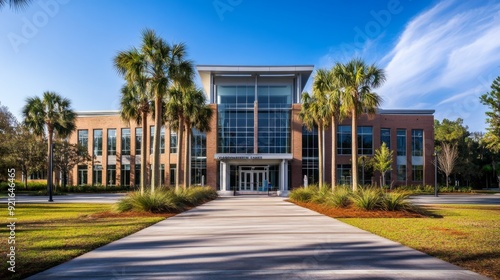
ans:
(352, 212)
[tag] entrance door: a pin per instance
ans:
(252, 178)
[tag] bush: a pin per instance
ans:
(340, 198)
(321, 195)
(395, 201)
(166, 200)
(303, 194)
(367, 199)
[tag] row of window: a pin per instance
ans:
(365, 147)
(83, 135)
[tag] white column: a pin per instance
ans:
(222, 176)
(282, 175)
(285, 175)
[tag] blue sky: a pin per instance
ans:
(437, 54)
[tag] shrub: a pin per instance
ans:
(395, 201)
(340, 198)
(303, 194)
(367, 199)
(165, 200)
(321, 195)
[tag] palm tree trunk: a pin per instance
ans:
(320, 155)
(155, 178)
(354, 151)
(179, 152)
(186, 156)
(144, 148)
(334, 154)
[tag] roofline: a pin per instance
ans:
(255, 68)
(405, 111)
(98, 113)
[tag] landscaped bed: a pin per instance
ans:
(465, 235)
(49, 234)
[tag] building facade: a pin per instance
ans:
(256, 139)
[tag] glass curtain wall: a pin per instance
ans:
(235, 127)
(310, 155)
(198, 157)
(275, 103)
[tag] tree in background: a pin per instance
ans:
(447, 159)
(8, 125)
(29, 152)
(52, 114)
(492, 100)
(356, 80)
(382, 161)
(67, 155)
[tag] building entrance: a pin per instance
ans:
(253, 178)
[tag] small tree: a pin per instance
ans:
(66, 156)
(30, 152)
(382, 161)
(447, 159)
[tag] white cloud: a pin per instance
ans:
(445, 57)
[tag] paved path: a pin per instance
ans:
(254, 238)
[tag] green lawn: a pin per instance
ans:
(466, 235)
(50, 234)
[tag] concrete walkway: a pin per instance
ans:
(250, 237)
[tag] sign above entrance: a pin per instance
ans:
(251, 156)
(219, 157)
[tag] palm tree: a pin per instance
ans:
(186, 108)
(356, 80)
(159, 64)
(135, 104)
(315, 112)
(324, 82)
(197, 115)
(15, 4)
(52, 114)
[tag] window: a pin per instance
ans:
(344, 174)
(401, 172)
(137, 175)
(417, 142)
(401, 137)
(365, 140)
(274, 118)
(98, 142)
(83, 138)
(172, 174)
(82, 174)
(401, 154)
(235, 128)
(152, 137)
(125, 141)
(173, 142)
(418, 172)
(138, 140)
(125, 175)
(111, 142)
(385, 137)
(198, 157)
(162, 174)
(310, 155)
(111, 175)
(344, 140)
(97, 175)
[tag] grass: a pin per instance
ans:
(466, 235)
(50, 234)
